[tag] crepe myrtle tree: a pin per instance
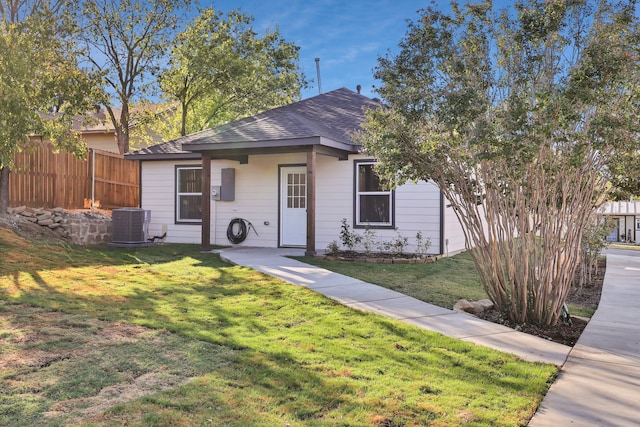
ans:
(516, 115)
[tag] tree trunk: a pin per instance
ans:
(121, 127)
(525, 235)
(183, 120)
(4, 189)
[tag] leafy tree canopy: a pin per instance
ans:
(221, 69)
(518, 116)
(41, 87)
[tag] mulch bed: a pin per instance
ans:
(587, 296)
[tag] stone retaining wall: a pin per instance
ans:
(80, 228)
(88, 230)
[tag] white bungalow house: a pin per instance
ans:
(626, 217)
(294, 174)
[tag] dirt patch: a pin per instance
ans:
(29, 230)
(58, 368)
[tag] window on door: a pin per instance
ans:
(373, 205)
(189, 194)
(297, 190)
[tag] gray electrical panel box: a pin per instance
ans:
(228, 187)
(215, 192)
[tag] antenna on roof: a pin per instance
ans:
(318, 71)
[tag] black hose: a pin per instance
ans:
(153, 239)
(243, 230)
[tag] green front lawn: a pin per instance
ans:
(441, 283)
(263, 352)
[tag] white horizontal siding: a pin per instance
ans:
(417, 206)
(453, 233)
(418, 210)
(158, 192)
(256, 197)
(334, 198)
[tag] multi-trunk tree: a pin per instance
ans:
(126, 42)
(517, 115)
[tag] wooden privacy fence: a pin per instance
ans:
(42, 178)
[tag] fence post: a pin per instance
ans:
(93, 179)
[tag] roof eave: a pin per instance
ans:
(275, 145)
(162, 156)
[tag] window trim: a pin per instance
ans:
(356, 200)
(177, 194)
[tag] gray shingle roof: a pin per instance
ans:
(330, 116)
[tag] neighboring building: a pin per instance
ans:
(98, 132)
(294, 173)
(626, 217)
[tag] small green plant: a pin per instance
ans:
(333, 247)
(384, 246)
(350, 239)
(395, 246)
(422, 244)
(369, 240)
(399, 244)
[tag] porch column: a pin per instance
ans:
(311, 203)
(205, 244)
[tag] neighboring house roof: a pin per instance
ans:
(325, 121)
(98, 121)
(94, 122)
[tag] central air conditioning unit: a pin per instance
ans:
(129, 226)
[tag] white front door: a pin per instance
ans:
(293, 206)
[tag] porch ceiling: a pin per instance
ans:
(241, 151)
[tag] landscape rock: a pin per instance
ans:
(18, 210)
(78, 227)
(473, 307)
(464, 306)
(44, 216)
(486, 304)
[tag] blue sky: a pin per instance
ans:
(347, 35)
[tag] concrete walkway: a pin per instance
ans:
(599, 385)
(365, 296)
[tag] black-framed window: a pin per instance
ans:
(189, 194)
(374, 206)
